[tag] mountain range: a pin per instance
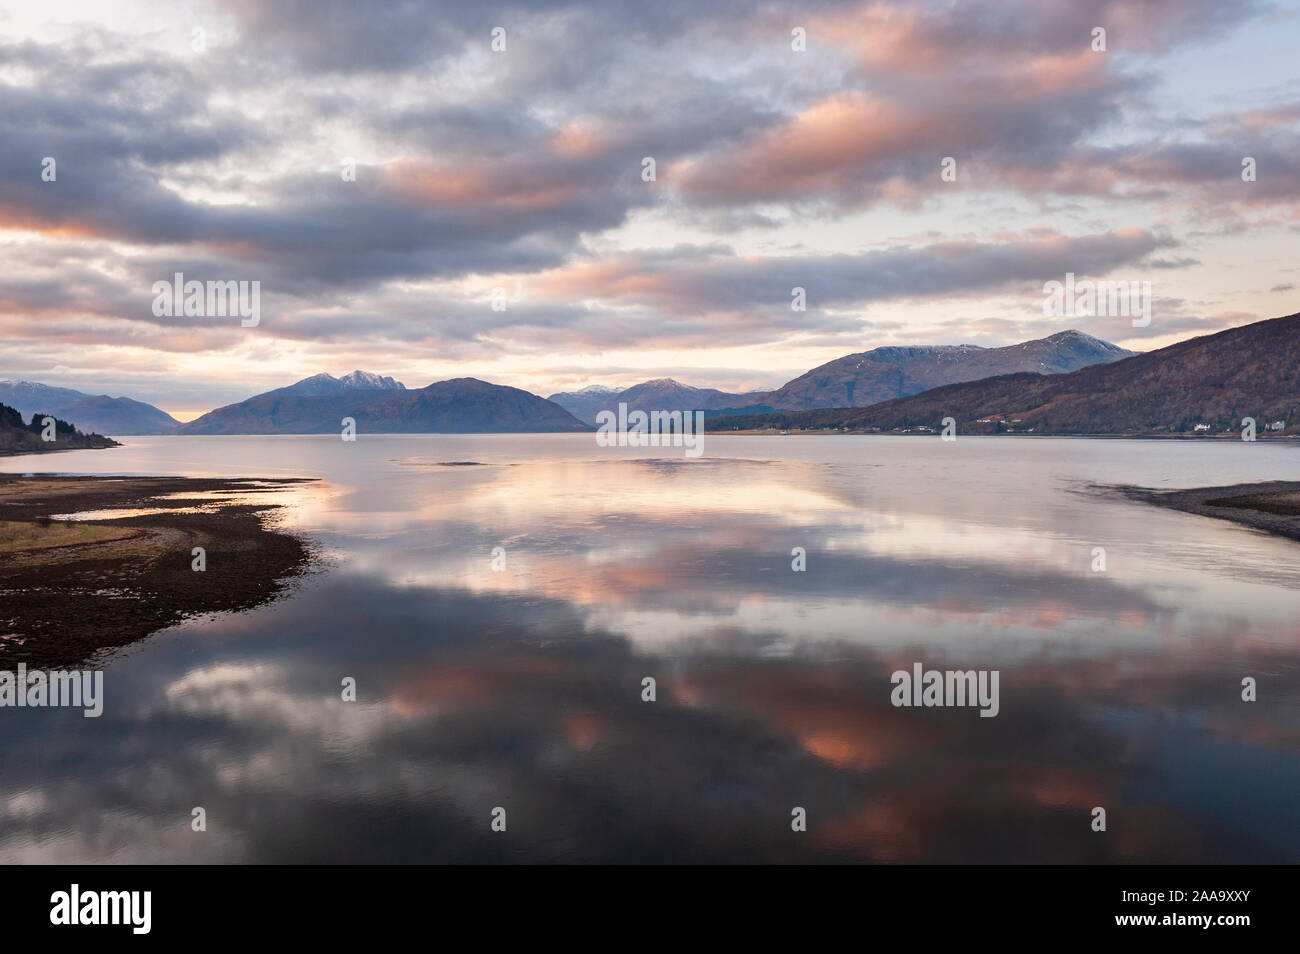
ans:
(858, 380)
(1067, 383)
(318, 403)
(1206, 384)
(91, 412)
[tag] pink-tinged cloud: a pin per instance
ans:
(919, 40)
(859, 145)
(813, 153)
(520, 189)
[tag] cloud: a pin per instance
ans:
(523, 170)
(701, 280)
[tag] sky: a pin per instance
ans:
(500, 222)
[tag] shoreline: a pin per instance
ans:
(74, 588)
(38, 449)
(827, 432)
(1261, 438)
(27, 452)
(1271, 506)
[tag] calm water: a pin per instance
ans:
(521, 688)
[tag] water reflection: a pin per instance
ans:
(522, 688)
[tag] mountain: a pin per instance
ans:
(363, 380)
(1214, 380)
(19, 438)
(665, 394)
(90, 412)
(861, 380)
(661, 394)
(586, 403)
(459, 406)
(321, 384)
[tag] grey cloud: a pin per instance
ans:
(689, 280)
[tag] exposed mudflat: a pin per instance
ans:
(70, 588)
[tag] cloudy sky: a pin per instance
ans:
(210, 138)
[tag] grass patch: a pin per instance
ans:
(18, 536)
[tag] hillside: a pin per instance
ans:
(861, 380)
(1213, 381)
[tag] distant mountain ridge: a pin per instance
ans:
(585, 404)
(96, 413)
(1204, 384)
(882, 374)
(859, 380)
(318, 404)
(659, 394)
